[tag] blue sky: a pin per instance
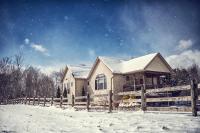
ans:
(55, 33)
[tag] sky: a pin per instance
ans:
(51, 34)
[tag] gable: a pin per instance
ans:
(100, 68)
(158, 65)
(65, 73)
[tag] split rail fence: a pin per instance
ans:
(79, 102)
(177, 98)
(147, 99)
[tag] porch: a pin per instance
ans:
(148, 79)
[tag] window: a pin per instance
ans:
(83, 91)
(100, 82)
(141, 81)
(127, 78)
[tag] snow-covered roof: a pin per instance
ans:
(114, 64)
(125, 66)
(80, 71)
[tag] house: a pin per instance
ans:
(75, 80)
(118, 75)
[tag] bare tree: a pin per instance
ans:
(194, 72)
(57, 78)
(5, 77)
(17, 75)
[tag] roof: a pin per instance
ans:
(114, 64)
(79, 71)
(117, 65)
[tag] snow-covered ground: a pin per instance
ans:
(35, 119)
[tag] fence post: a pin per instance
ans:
(6, 100)
(26, 100)
(72, 100)
(44, 101)
(29, 101)
(143, 99)
(34, 100)
(38, 100)
(194, 97)
(110, 101)
(88, 101)
(61, 101)
(51, 101)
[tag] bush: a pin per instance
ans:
(125, 97)
(132, 97)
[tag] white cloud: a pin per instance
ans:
(27, 41)
(184, 59)
(49, 69)
(184, 44)
(40, 48)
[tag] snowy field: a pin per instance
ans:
(35, 119)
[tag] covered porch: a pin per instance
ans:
(148, 79)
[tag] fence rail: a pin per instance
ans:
(84, 101)
(158, 96)
(141, 97)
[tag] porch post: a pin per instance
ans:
(134, 84)
(144, 81)
(152, 82)
(143, 95)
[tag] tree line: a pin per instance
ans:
(183, 76)
(16, 80)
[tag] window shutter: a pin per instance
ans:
(105, 83)
(95, 84)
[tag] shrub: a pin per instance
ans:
(126, 97)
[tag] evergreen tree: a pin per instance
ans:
(65, 93)
(58, 92)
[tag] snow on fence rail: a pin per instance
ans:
(144, 97)
(43, 101)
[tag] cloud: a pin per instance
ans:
(184, 44)
(40, 48)
(49, 69)
(26, 41)
(184, 59)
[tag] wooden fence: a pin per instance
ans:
(147, 99)
(78, 102)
